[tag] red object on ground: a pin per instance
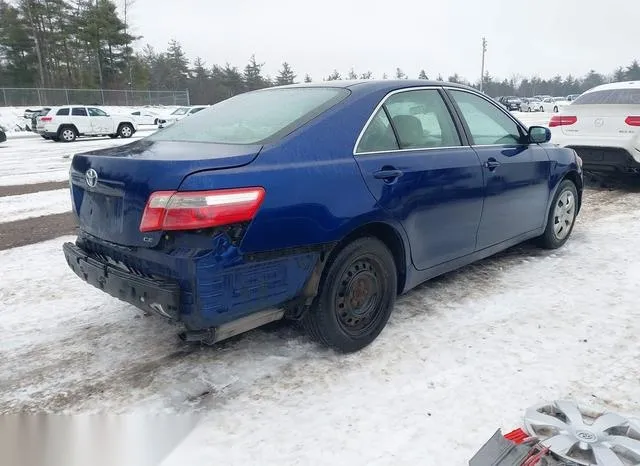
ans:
(517, 436)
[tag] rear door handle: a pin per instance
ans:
(492, 164)
(389, 174)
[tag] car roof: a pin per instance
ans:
(374, 85)
(616, 85)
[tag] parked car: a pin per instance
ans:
(572, 97)
(3, 136)
(554, 104)
(603, 126)
(67, 123)
(33, 115)
(530, 104)
(542, 97)
(511, 102)
(319, 203)
(179, 114)
(145, 117)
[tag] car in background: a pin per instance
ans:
(511, 102)
(69, 122)
(179, 114)
(603, 127)
(145, 117)
(530, 104)
(33, 116)
(572, 97)
(3, 135)
(542, 97)
(554, 104)
(312, 203)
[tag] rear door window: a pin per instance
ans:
(79, 111)
(421, 120)
(379, 136)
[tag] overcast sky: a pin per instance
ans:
(541, 37)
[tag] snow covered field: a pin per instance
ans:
(462, 355)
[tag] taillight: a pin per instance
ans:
(46, 118)
(632, 120)
(562, 120)
(171, 210)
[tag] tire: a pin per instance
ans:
(555, 109)
(155, 122)
(125, 130)
(554, 236)
(67, 134)
(355, 298)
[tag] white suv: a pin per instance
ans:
(603, 127)
(67, 123)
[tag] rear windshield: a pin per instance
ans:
(610, 97)
(254, 117)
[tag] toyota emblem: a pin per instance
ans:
(91, 178)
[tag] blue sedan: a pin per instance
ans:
(319, 203)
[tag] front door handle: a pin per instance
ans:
(491, 164)
(388, 174)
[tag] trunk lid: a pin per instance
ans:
(110, 187)
(601, 120)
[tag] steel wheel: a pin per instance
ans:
(358, 299)
(68, 135)
(605, 439)
(564, 214)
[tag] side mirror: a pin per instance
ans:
(539, 134)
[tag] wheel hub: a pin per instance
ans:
(573, 436)
(358, 296)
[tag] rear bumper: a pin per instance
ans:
(159, 296)
(607, 160)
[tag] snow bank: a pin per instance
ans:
(35, 204)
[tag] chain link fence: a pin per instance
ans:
(28, 97)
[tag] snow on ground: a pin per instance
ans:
(35, 160)
(35, 204)
(462, 356)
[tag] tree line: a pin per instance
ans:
(87, 44)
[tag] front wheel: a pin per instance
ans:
(562, 216)
(555, 109)
(356, 297)
(125, 131)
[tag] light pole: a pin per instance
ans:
(484, 50)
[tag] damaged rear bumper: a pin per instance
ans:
(150, 294)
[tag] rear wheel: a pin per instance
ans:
(562, 216)
(67, 134)
(356, 296)
(125, 130)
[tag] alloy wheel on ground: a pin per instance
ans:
(68, 135)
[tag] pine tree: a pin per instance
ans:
(286, 75)
(384, 76)
(252, 76)
(439, 78)
(367, 75)
(307, 78)
(335, 76)
(400, 74)
(633, 71)
(423, 75)
(352, 74)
